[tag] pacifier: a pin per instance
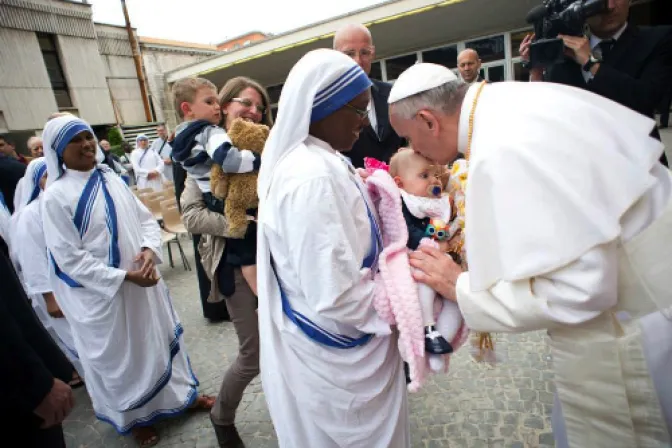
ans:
(434, 190)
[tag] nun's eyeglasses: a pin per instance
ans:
(362, 113)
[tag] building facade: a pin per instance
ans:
(44, 47)
(56, 59)
(404, 32)
(241, 41)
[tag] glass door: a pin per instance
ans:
(493, 72)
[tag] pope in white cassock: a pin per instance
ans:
(330, 367)
(147, 164)
(103, 244)
(568, 228)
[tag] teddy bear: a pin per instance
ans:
(239, 191)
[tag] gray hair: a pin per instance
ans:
(446, 98)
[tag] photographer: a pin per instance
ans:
(625, 63)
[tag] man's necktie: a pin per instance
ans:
(605, 47)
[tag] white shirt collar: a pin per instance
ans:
(595, 41)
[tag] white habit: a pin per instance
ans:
(144, 161)
(165, 151)
(29, 254)
(5, 217)
(569, 228)
(314, 225)
(129, 338)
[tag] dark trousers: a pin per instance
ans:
(28, 433)
(665, 110)
(212, 311)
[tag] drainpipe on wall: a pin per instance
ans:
(138, 63)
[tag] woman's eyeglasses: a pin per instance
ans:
(362, 113)
(248, 103)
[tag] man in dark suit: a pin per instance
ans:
(34, 372)
(469, 66)
(11, 172)
(625, 63)
(377, 139)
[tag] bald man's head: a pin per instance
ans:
(469, 64)
(355, 41)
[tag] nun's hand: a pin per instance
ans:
(363, 173)
(146, 259)
(139, 279)
(437, 270)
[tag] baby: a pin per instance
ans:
(199, 143)
(427, 213)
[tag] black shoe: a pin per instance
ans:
(407, 371)
(435, 343)
(227, 436)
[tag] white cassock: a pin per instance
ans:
(29, 254)
(144, 161)
(165, 151)
(318, 231)
(129, 339)
(569, 228)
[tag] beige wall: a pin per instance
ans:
(85, 73)
(26, 98)
(122, 79)
(157, 61)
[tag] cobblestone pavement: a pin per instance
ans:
(471, 407)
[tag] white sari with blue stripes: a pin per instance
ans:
(128, 338)
(324, 389)
(29, 255)
(145, 161)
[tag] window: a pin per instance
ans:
(489, 49)
(396, 66)
(496, 73)
(376, 71)
(274, 93)
(56, 76)
(446, 56)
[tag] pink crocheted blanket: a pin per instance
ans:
(396, 298)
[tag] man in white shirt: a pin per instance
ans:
(377, 140)
(582, 251)
(164, 150)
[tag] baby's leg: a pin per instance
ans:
(435, 343)
(250, 276)
(449, 320)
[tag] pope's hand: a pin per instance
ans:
(437, 270)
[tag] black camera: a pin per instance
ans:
(558, 17)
